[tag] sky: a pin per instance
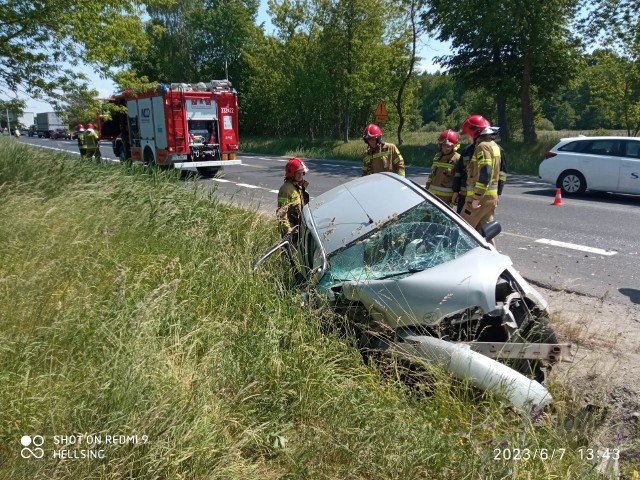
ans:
(428, 48)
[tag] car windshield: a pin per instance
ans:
(420, 238)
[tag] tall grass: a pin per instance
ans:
(418, 148)
(129, 307)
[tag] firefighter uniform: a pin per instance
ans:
(291, 199)
(385, 157)
(440, 182)
(460, 177)
(91, 141)
(483, 174)
(82, 145)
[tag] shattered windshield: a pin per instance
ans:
(420, 238)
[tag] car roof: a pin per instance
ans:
(571, 139)
(355, 208)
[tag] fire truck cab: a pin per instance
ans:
(175, 126)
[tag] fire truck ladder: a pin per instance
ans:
(179, 121)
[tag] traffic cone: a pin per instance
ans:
(558, 200)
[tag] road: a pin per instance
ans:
(590, 245)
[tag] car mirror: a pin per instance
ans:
(491, 230)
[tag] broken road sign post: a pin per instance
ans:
(381, 112)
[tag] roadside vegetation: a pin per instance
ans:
(129, 307)
(418, 148)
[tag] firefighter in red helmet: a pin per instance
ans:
(483, 172)
(380, 156)
(92, 142)
(82, 145)
(440, 182)
(292, 197)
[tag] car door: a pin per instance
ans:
(601, 164)
(630, 167)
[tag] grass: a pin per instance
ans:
(129, 308)
(418, 148)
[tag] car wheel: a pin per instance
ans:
(572, 182)
(149, 159)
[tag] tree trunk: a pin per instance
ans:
(501, 106)
(405, 80)
(528, 128)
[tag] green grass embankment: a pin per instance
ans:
(129, 308)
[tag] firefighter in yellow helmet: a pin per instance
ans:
(92, 142)
(483, 173)
(380, 156)
(440, 182)
(292, 197)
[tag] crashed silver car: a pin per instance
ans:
(420, 283)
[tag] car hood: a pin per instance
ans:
(426, 297)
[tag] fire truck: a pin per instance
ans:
(175, 126)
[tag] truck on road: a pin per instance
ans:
(175, 126)
(48, 122)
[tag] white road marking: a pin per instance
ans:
(221, 180)
(273, 191)
(597, 251)
(246, 185)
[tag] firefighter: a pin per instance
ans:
(460, 178)
(483, 173)
(440, 182)
(380, 156)
(292, 197)
(82, 146)
(92, 142)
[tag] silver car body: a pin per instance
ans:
(417, 281)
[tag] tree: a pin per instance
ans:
(42, 40)
(614, 26)
(14, 107)
(516, 47)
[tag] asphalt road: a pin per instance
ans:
(590, 245)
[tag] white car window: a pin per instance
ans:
(632, 149)
(603, 147)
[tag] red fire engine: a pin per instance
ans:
(178, 125)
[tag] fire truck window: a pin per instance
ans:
(227, 122)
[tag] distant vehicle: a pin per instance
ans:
(176, 126)
(608, 164)
(33, 130)
(47, 123)
(59, 133)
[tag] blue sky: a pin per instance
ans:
(427, 49)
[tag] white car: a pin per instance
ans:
(608, 164)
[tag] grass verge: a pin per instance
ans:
(129, 308)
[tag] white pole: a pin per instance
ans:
(8, 122)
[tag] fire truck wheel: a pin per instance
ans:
(208, 171)
(149, 159)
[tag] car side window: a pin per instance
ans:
(573, 146)
(603, 147)
(632, 149)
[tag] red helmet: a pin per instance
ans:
(80, 127)
(295, 165)
(372, 131)
(476, 125)
(448, 137)
(90, 125)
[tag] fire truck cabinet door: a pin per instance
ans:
(202, 109)
(159, 123)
